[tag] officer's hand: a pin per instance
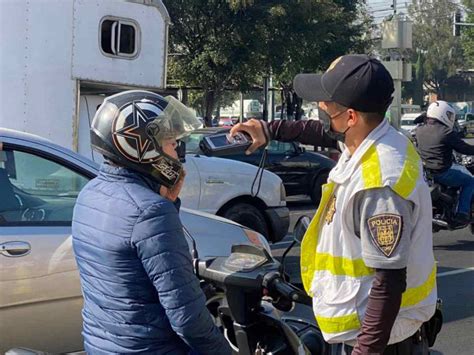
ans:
(172, 194)
(254, 128)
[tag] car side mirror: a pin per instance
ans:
(300, 229)
(297, 150)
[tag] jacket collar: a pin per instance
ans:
(117, 173)
(347, 163)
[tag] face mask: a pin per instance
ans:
(325, 119)
(181, 151)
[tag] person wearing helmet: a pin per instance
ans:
(436, 140)
(140, 292)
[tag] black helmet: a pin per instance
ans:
(129, 128)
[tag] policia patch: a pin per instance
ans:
(386, 230)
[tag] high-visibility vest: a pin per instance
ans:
(332, 268)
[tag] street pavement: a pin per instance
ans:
(455, 259)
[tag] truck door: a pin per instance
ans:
(87, 108)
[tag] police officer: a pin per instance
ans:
(367, 257)
(140, 291)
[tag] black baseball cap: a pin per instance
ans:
(354, 81)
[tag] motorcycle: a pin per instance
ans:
(249, 295)
(445, 200)
(256, 298)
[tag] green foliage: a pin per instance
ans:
(439, 53)
(219, 44)
(467, 34)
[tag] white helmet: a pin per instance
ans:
(443, 112)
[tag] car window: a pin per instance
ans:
(408, 122)
(192, 142)
(279, 147)
(37, 191)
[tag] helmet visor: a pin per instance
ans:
(176, 121)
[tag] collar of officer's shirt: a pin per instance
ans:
(347, 163)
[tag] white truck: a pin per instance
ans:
(60, 58)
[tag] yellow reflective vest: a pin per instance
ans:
(332, 268)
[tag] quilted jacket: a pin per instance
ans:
(140, 292)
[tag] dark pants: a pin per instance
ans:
(459, 176)
(414, 345)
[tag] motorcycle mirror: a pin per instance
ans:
(300, 228)
(194, 252)
(298, 234)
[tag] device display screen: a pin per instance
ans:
(219, 141)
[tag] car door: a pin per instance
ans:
(284, 159)
(40, 296)
(191, 192)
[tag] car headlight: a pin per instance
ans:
(257, 239)
(282, 192)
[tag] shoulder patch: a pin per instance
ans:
(385, 230)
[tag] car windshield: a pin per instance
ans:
(408, 122)
(192, 142)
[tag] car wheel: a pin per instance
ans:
(249, 216)
(315, 192)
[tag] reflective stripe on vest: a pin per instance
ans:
(312, 261)
(372, 174)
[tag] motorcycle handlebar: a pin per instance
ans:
(286, 290)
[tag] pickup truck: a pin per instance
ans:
(223, 187)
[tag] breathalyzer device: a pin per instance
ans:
(225, 144)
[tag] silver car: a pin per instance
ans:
(40, 295)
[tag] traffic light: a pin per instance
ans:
(456, 21)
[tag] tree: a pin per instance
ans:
(219, 44)
(414, 88)
(438, 53)
(467, 34)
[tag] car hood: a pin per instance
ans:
(214, 236)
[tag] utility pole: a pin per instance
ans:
(241, 107)
(265, 98)
(271, 109)
(397, 38)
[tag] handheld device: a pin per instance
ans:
(224, 144)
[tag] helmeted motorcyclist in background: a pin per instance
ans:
(436, 140)
(140, 292)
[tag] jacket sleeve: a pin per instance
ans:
(161, 245)
(306, 132)
(458, 144)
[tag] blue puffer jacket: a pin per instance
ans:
(140, 292)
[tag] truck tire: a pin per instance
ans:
(249, 216)
(316, 191)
